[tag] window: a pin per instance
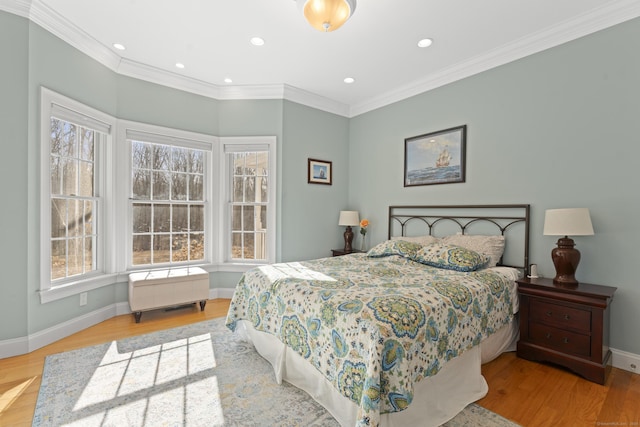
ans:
(74, 201)
(251, 193)
(75, 143)
(168, 227)
(168, 197)
(156, 198)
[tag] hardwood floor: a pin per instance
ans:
(535, 394)
(20, 376)
(528, 393)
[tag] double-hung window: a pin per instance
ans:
(75, 144)
(156, 198)
(168, 197)
(249, 228)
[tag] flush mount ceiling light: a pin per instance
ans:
(327, 15)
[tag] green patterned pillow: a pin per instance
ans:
(451, 257)
(394, 247)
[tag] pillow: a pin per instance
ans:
(491, 246)
(423, 240)
(451, 257)
(394, 247)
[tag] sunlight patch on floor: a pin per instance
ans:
(10, 396)
(124, 379)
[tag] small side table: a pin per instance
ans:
(340, 252)
(568, 326)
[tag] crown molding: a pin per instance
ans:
(312, 100)
(58, 25)
(151, 74)
(17, 7)
(62, 28)
(606, 16)
(610, 14)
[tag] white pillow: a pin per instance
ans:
(491, 246)
(422, 240)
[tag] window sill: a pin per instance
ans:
(73, 288)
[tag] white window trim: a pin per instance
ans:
(168, 136)
(247, 143)
(113, 181)
(71, 109)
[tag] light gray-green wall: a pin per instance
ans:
(310, 211)
(556, 129)
(41, 59)
(14, 231)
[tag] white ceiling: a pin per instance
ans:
(377, 46)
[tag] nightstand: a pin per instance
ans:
(340, 252)
(568, 326)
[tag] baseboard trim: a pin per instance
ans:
(14, 347)
(624, 360)
(22, 345)
(62, 330)
(221, 293)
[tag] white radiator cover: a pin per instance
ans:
(165, 288)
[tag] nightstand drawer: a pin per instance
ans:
(560, 340)
(560, 316)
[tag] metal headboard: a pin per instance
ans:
(511, 221)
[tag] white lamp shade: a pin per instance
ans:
(349, 218)
(567, 222)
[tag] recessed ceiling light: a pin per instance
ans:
(257, 41)
(425, 43)
(118, 46)
(349, 80)
(179, 65)
(228, 80)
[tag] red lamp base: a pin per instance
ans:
(566, 259)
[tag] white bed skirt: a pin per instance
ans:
(460, 380)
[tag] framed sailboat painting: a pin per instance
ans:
(435, 158)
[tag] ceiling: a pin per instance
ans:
(377, 46)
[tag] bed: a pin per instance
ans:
(395, 336)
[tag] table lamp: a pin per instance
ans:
(348, 218)
(565, 222)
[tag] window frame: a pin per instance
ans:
(83, 115)
(239, 144)
(144, 132)
(112, 187)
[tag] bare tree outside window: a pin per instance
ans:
(167, 204)
(249, 205)
(73, 199)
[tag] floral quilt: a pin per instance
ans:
(373, 327)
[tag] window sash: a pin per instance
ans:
(250, 221)
(164, 240)
(167, 246)
(79, 188)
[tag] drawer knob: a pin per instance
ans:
(565, 340)
(548, 335)
(567, 317)
(549, 313)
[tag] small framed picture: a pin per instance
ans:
(319, 172)
(435, 158)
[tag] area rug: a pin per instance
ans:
(196, 375)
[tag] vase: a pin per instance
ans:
(362, 243)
